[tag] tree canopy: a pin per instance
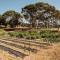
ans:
(43, 12)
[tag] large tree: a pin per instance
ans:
(43, 11)
(11, 17)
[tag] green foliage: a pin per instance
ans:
(52, 36)
(37, 11)
(32, 11)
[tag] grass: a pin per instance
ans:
(3, 33)
(11, 53)
(15, 46)
(48, 35)
(52, 36)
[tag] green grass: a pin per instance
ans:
(51, 36)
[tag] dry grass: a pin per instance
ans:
(50, 52)
(53, 53)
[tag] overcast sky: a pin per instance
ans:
(18, 4)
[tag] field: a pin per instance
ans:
(44, 45)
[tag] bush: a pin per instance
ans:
(11, 34)
(51, 36)
(20, 36)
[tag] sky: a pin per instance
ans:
(18, 4)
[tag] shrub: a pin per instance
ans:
(11, 34)
(20, 36)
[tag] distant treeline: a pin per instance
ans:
(33, 15)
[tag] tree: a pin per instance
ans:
(39, 10)
(2, 21)
(11, 18)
